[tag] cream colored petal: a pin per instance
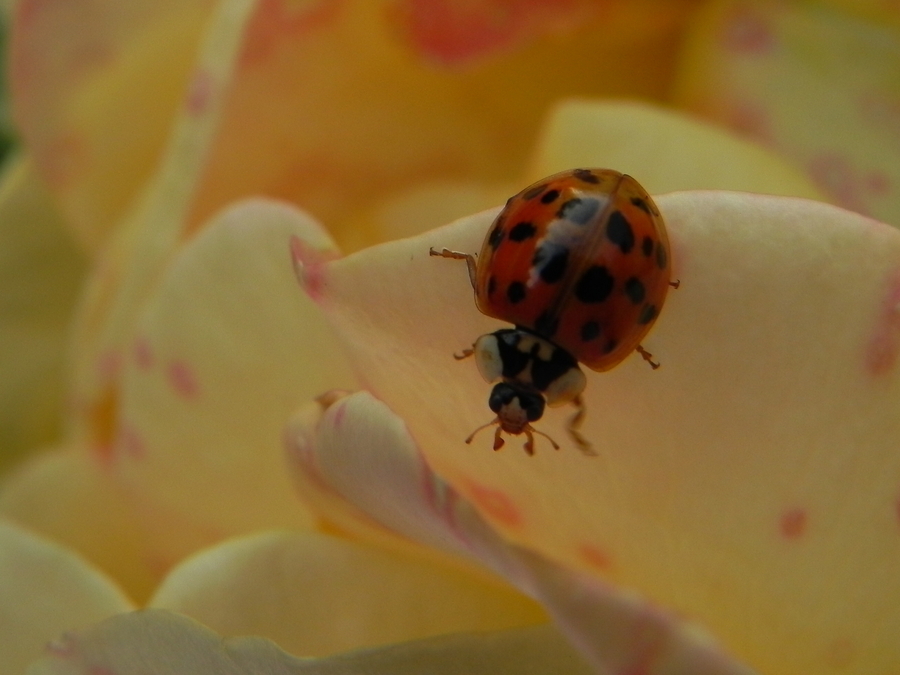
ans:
(95, 93)
(40, 269)
(364, 454)
(170, 643)
(663, 149)
(223, 352)
(67, 496)
(316, 595)
(751, 483)
(817, 82)
(46, 589)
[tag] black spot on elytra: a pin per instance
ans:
(619, 231)
(635, 290)
(647, 246)
(496, 236)
(550, 196)
(550, 260)
(641, 204)
(595, 285)
(648, 313)
(610, 346)
(546, 324)
(533, 192)
(662, 258)
(579, 210)
(515, 292)
(522, 231)
(590, 331)
(492, 285)
(585, 175)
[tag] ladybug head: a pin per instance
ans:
(516, 409)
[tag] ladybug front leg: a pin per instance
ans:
(575, 424)
(457, 255)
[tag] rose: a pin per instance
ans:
(197, 294)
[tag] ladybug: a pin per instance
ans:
(579, 263)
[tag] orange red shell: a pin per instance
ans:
(580, 258)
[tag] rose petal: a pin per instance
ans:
(81, 96)
(225, 349)
(617, 631)
(667, 150)
(758, 464)
(40, 269)
(316, 595)
(295, 119)
(816, 83)
(44, 590)
(65, 495)
(160, 641)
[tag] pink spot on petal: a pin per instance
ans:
(131, 442)
(793, 523)
(884, 344)
(748, 33)
(183, 379)
(142, 353)
(451, 32)
(200, 92)
(340, 412)
(496, 504)
(310, 267)
(596, 557)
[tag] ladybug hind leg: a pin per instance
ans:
(575, 423)
(647, 356)
(458, 255)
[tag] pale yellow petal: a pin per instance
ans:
(46, 589)
(664, 149)
(67, 496)
(758, 465)
(223, 352)
(316, 595)
(170, 643)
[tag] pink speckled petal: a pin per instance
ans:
(95, 89)
(365, 454)
(164, 642)
(316, 595)
(777, 396)
(223, 352)
(815, 81)
(46, 589)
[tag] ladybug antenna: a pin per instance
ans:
(499, 441)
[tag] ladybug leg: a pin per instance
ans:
(464, 354)
(675, 284)
(647, 356)
(575, 423)
(457, 255)
(529, 430)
